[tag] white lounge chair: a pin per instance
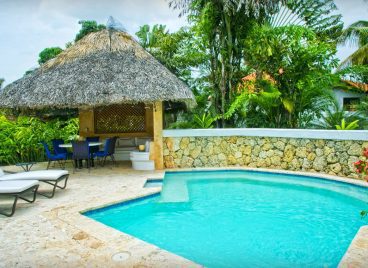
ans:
(17, 189)
(52, 177)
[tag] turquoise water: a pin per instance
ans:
(245, 219)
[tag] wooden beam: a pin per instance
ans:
(157, 153)
(86, 123)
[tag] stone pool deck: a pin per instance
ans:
(52, 232)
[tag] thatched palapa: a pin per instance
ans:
(105, 67)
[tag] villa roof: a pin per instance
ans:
(103, 68)
(360, 86)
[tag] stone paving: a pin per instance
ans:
(52, 232)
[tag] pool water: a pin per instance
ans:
(245, 219)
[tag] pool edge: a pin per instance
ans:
(355, 256)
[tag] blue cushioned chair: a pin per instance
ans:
(109, 150)
(93, 149)
(60, 150)
(60, 158)
(81, 152)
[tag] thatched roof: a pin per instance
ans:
(105, 67)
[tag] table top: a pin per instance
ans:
(69, 145)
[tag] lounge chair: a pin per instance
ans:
(17, 189)
(52, 177)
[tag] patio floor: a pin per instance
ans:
(52, 232)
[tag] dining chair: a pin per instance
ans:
(54, 157)
(109, 150)
(93, 149)
(59, 150)
(80, 153)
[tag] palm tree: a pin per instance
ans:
(224, 25)
(356, 34)
(1, 82)
(148, 37)
(319, 16)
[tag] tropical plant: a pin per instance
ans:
(354, 73)
(363, 106)
(150, 37)
(2, 80)
(223, 25)
(48, 53)
(336, 116)
(203, 121)
(357, 35)
(299, 65)
(177, 51)
(88, 26)
(20, 138)
(319, 16)
(350, 126)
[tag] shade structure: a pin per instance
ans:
(104, 68)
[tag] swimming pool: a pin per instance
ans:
(245, 218)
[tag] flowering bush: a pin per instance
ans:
(361, 167)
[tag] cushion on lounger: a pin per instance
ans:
(7, 187)
(40, 175)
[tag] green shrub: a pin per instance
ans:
(20, 139)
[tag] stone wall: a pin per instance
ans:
(334, 157)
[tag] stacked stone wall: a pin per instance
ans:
(335, 157)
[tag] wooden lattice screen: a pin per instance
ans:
(122, 118)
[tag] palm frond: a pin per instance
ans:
(316, 15)
(359, 57)
(355, 35)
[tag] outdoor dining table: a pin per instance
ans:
(90, 144)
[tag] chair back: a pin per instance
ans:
(111, 149)
(57, 149)
(107, 145)
(47, 150)
(80, 150)
(93, 149)
(93, 139)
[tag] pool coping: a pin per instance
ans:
(355, 256)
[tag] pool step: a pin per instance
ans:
(174, 191)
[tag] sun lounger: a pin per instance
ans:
(52, 177)
(17, 189)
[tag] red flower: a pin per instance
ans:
(365, 152)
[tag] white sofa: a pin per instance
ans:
(124, 146)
